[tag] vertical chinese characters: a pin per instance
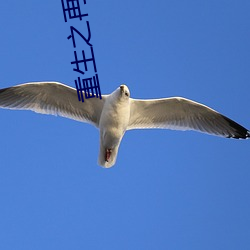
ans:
(90, 85)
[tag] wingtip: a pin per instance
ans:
(248, 134)
(239, 131)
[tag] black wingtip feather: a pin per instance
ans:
(239, 131)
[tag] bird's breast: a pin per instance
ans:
(114, 119)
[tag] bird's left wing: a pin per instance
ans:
(182, 114)
(52, 98)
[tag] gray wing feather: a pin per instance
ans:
(52, 98)
(182, 114)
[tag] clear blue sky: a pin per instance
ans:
(169, 189)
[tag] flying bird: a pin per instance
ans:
(116, 113)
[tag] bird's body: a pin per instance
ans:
(116, 113)
(113, 124)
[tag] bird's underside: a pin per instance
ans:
(117, 112)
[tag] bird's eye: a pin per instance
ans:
(126, 93)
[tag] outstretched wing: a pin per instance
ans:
(182, 114)
(52, 98)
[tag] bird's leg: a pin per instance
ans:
(108, 154)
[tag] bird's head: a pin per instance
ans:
(121, 94)
(124, 91)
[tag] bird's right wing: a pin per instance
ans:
(182, 114)
(52, 98)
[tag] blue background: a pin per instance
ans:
(169, 189)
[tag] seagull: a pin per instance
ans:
(116, 113)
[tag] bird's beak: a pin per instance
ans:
(122, 88)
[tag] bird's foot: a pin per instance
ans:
(108, 154)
